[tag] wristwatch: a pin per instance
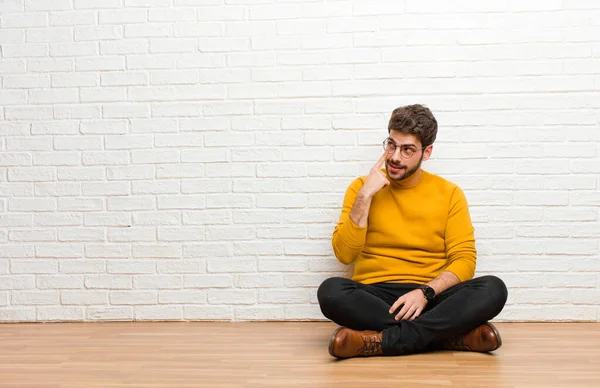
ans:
(428, 292)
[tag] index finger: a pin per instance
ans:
(381, 160)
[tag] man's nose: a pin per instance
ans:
(396, 156)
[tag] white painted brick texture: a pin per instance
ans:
(187, 159)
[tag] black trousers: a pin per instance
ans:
(453, 312)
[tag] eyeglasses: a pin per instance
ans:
(406, 150)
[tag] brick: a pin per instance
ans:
(147, 62)
(73, 49)
(181, 202)
(188, 109)
(158, 313)
(147, 3)
(208, 313)
(15, 159)
(81, 173)
(33, 266)
(157, 282)
(125, 46)
(31, 174)
(172, 15)
(266, 313)
(82, 266)
(35, 298)
(79, 111)
(207, 250)
(156, 187)
(109, 314)
(79, 234)
(124, 79)
(260, 248)
(74, 282)
(207, 281)
(283, 296)
(17, 282)
(12, 66)
(98, 33)
(153, 125)
(72, 18)
(155, 156)
(17, 189)
(126, 110)
(53, 96)
(157, 218)
(79, 204)
(122, 16)
(182, 170)
(62, 314)
(29, 19)
(105, 63)
(130, 267)
(206, 217)
(131, 203)
(170, 45)
(232, 297)
(107, 219)
(182, 267)
(109, 282)
(183, 297)
(50, 5)
(133, 297)
(181, 234)
(229, 233)
(47, 35)
(280, 201)
(26, 81)
(92, 158)
(63, 219)
(74, 80)
(231, 265)
(200, 60)
(83, 297)
(110, 127)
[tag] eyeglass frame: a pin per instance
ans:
(396, 146)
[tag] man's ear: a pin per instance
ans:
(427, 152)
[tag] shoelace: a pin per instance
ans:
(370, 345)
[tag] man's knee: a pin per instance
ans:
(496, 288)
(330, 290)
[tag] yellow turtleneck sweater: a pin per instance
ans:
(413, 233)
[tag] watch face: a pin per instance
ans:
(429, 293)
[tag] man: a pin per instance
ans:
(410, 236)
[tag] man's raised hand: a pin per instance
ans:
(377, 179)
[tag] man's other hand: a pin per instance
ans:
(413, 304)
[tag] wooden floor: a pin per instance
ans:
(178, 354)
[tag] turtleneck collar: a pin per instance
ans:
(412, 181)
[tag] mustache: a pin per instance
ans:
(396, 165)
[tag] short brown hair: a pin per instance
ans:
(416, 120)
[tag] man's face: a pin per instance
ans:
(399, 167)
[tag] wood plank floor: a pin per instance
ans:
(281, 354)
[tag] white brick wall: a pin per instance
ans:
(187, 159)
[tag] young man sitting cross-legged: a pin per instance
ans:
(410, 236)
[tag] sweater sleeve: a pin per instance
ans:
(348, 238)
(460, 239)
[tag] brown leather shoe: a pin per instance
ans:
(484, 338)
(346, 343)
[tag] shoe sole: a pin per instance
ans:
(497, 333)
(331, 342)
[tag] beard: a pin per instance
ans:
(404, 173)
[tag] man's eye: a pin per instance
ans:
(408, 149)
